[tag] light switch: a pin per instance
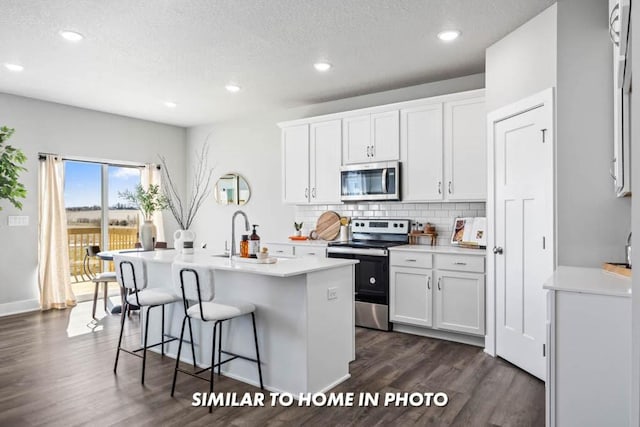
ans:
(18, 221)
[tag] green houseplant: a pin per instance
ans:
(148, 201)
(11, 161)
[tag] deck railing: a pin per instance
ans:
(81, 237)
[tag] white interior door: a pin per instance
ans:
(523, 159)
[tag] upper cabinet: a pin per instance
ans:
(371, 137)
(443, 150)
(311, 162)
(465, 149)
(440, 142)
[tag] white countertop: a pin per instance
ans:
(439, 250)
(285, 267)
(320, 243)
(589, 281)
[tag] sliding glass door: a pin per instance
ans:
(95, 213)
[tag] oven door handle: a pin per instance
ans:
(353, 251)
(385, 175)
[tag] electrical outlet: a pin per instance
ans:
(332, 293)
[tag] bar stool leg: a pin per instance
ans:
(124, 310)
(255, 338)
(213, 357)
(193, 348)
(144, 350)
(175, 372)
(220, 347)
(162, 338)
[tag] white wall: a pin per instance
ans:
(68, 131)
(251, 147)
(592, 223)
(523, 62)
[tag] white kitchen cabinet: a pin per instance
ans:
(296, 250)
(324, 162)
(459, 302)
(421, 144)
(313, 251)
(465, 149)
(443, 150)
(410, 296)
(295, 161)
(423, 292)
(311, 163)
(371, 137)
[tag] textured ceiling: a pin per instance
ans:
(139, 53)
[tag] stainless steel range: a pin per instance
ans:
(370, 243)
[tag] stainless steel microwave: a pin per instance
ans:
(370, 181)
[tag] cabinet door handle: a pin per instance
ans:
(459, 263)
(373, 151)
(313, 192)
(306, 193)
(449, 187)
(368, 151)
(429, 282)
(439, 187)
(439, 288)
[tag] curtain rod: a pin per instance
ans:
(42, 156)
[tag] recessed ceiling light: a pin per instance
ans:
(232, 88)
(322, 66)
(14, 67)
(71, 36)
(170, 104)
(449, 35)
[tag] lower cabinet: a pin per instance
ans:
(437, 298)
(411, 296)
(459, 302)
(290, 250)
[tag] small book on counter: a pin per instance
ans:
(470, 232)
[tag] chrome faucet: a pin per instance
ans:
(232, 252)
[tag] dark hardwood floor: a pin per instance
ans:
(57, 371)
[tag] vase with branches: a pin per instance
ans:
(148, 202)
(185, 208)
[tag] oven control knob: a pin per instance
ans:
(372, 280)
(395, 225)
(401, 225)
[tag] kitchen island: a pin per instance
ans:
(304, 316)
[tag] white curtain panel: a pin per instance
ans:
(151, 176)
(54, 276)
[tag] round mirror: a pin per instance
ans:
(232, 189)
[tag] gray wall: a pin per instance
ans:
(251, 146)
(523, 62)
(68, 131)
(592, 223)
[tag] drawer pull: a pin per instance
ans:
(429, 282)
(311, 253)
(411, 260)
(279, 252)
(460, 263)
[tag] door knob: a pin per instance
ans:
(497, 250)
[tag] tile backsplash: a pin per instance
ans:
(441, 214)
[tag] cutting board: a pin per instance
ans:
(328, 226)
(617, 268)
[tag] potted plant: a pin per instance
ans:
(184, 209)
(148, 201)
(298, 227)
(11, 161)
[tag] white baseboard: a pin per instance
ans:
(18, 307)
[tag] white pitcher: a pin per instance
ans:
(181, 236)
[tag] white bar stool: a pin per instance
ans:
(196, 284)
(132, 275)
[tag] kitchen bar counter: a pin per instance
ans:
(589, 281)
(304, 317)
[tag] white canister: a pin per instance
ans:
(344, 233)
